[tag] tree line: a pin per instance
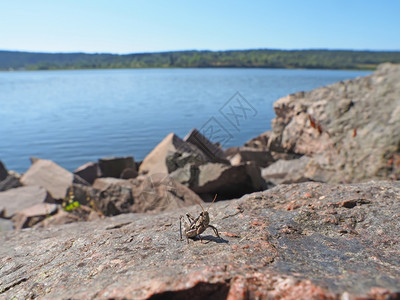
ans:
(308, 59)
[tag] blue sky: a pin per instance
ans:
(123, 26)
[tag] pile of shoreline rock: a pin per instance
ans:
(176, 173)
(299, 229)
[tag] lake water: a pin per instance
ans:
(73, 117)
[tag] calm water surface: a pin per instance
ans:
(73, 117)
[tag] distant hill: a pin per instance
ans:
(310, 59)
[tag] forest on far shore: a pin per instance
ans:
(263, 58)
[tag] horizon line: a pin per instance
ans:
(200, 50)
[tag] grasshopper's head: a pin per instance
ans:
(206, 217)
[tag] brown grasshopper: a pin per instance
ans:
(196, 226)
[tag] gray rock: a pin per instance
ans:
(10, 182)
(115, 166)
(287, 171)
(89, 172)
(49, 175)
(18, 199)
(300, 241)
(33, 215)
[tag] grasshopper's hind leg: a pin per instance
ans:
(215, 231)
(180, 227)
(186, 225)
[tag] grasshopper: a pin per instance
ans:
(197, 226)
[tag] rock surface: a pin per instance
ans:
(351, 129)
(49, 175)
(300, 241)
(14, 200)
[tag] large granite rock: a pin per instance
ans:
(14, 200)
(170, 154)
(301, 241)
(49, 175)
(350, 129)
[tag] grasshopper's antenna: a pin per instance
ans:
(212, 202)
(199, 204)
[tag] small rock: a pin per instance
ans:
(33, 215)
(49, 175)
(78, 214)
(18, 199)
